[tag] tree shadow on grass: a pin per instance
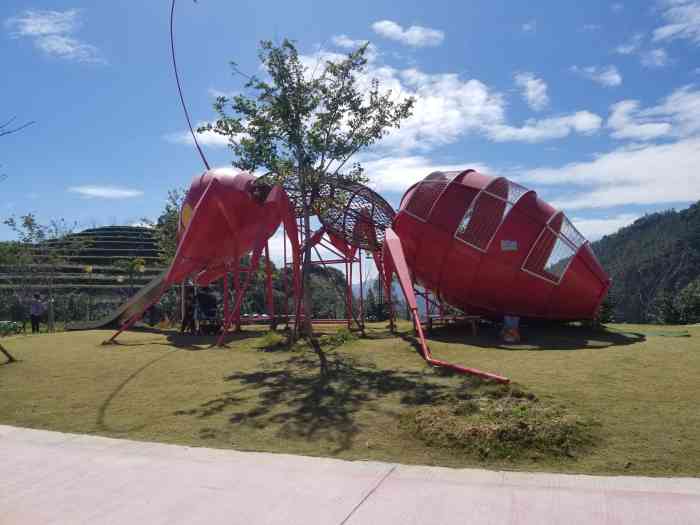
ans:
(292, 396)
(539, 337)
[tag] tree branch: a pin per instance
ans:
(4, 127)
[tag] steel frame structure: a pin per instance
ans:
(343, 254)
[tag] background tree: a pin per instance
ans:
(167, 225)
(8, 128)
(7, 255)
(663, 309)
(606, 313)
(651, 261)
(688, 303)
(303, 125)
(131, 267)
(37, 257)
(376, 305)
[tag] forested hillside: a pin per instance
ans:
(655, 267)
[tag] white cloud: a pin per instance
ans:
(654, 58)
(52, 33)
(415, 36)
(626, 123)
(678, 115)
(446, 108)
(529, 26)
(397, 174)
(534, 131)
(651, 174)
(534, 90)
(605, 76)
(591, 27)
(346, 42)
(683, 21)
(617, 7)
(105, 192)
(205, 138)
(631, 46)
(683, 105)
(595, 228)
(42, 23)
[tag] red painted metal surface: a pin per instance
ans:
(395, 261)
(223, 218)
(491, 247)
(485, 245)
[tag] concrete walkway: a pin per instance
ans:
(49, 477)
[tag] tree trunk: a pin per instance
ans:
(307, 328)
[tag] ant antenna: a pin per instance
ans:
(179, 87)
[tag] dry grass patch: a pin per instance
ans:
(503, 423)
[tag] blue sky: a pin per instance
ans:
(596, 105)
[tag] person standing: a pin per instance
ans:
(188, 325)
(36, 308)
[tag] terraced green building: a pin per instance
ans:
(95, 269)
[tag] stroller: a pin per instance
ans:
(206, 313)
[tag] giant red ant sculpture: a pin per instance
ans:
(482, 244)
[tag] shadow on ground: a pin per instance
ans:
(104, 407)
(291, 395)
(539, 337)
(189, 341)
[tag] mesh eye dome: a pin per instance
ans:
(355, 213)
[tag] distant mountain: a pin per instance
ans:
(653, 262)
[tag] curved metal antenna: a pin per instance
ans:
(179, 87)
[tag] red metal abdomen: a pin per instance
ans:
(491, 247)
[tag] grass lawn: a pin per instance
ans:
(639, 384)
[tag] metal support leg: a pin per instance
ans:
(268, 277)
(255, 260)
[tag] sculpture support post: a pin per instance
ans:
(362, 299)
(226, 293)
(268, 277)
(237, 292)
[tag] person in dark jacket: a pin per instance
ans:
(188, 319)
(36, 310)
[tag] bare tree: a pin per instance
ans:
(7, 128)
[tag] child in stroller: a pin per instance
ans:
(206, 312)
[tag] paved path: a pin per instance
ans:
(49, 477)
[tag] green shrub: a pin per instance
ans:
(338, 338)
(272, 341)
